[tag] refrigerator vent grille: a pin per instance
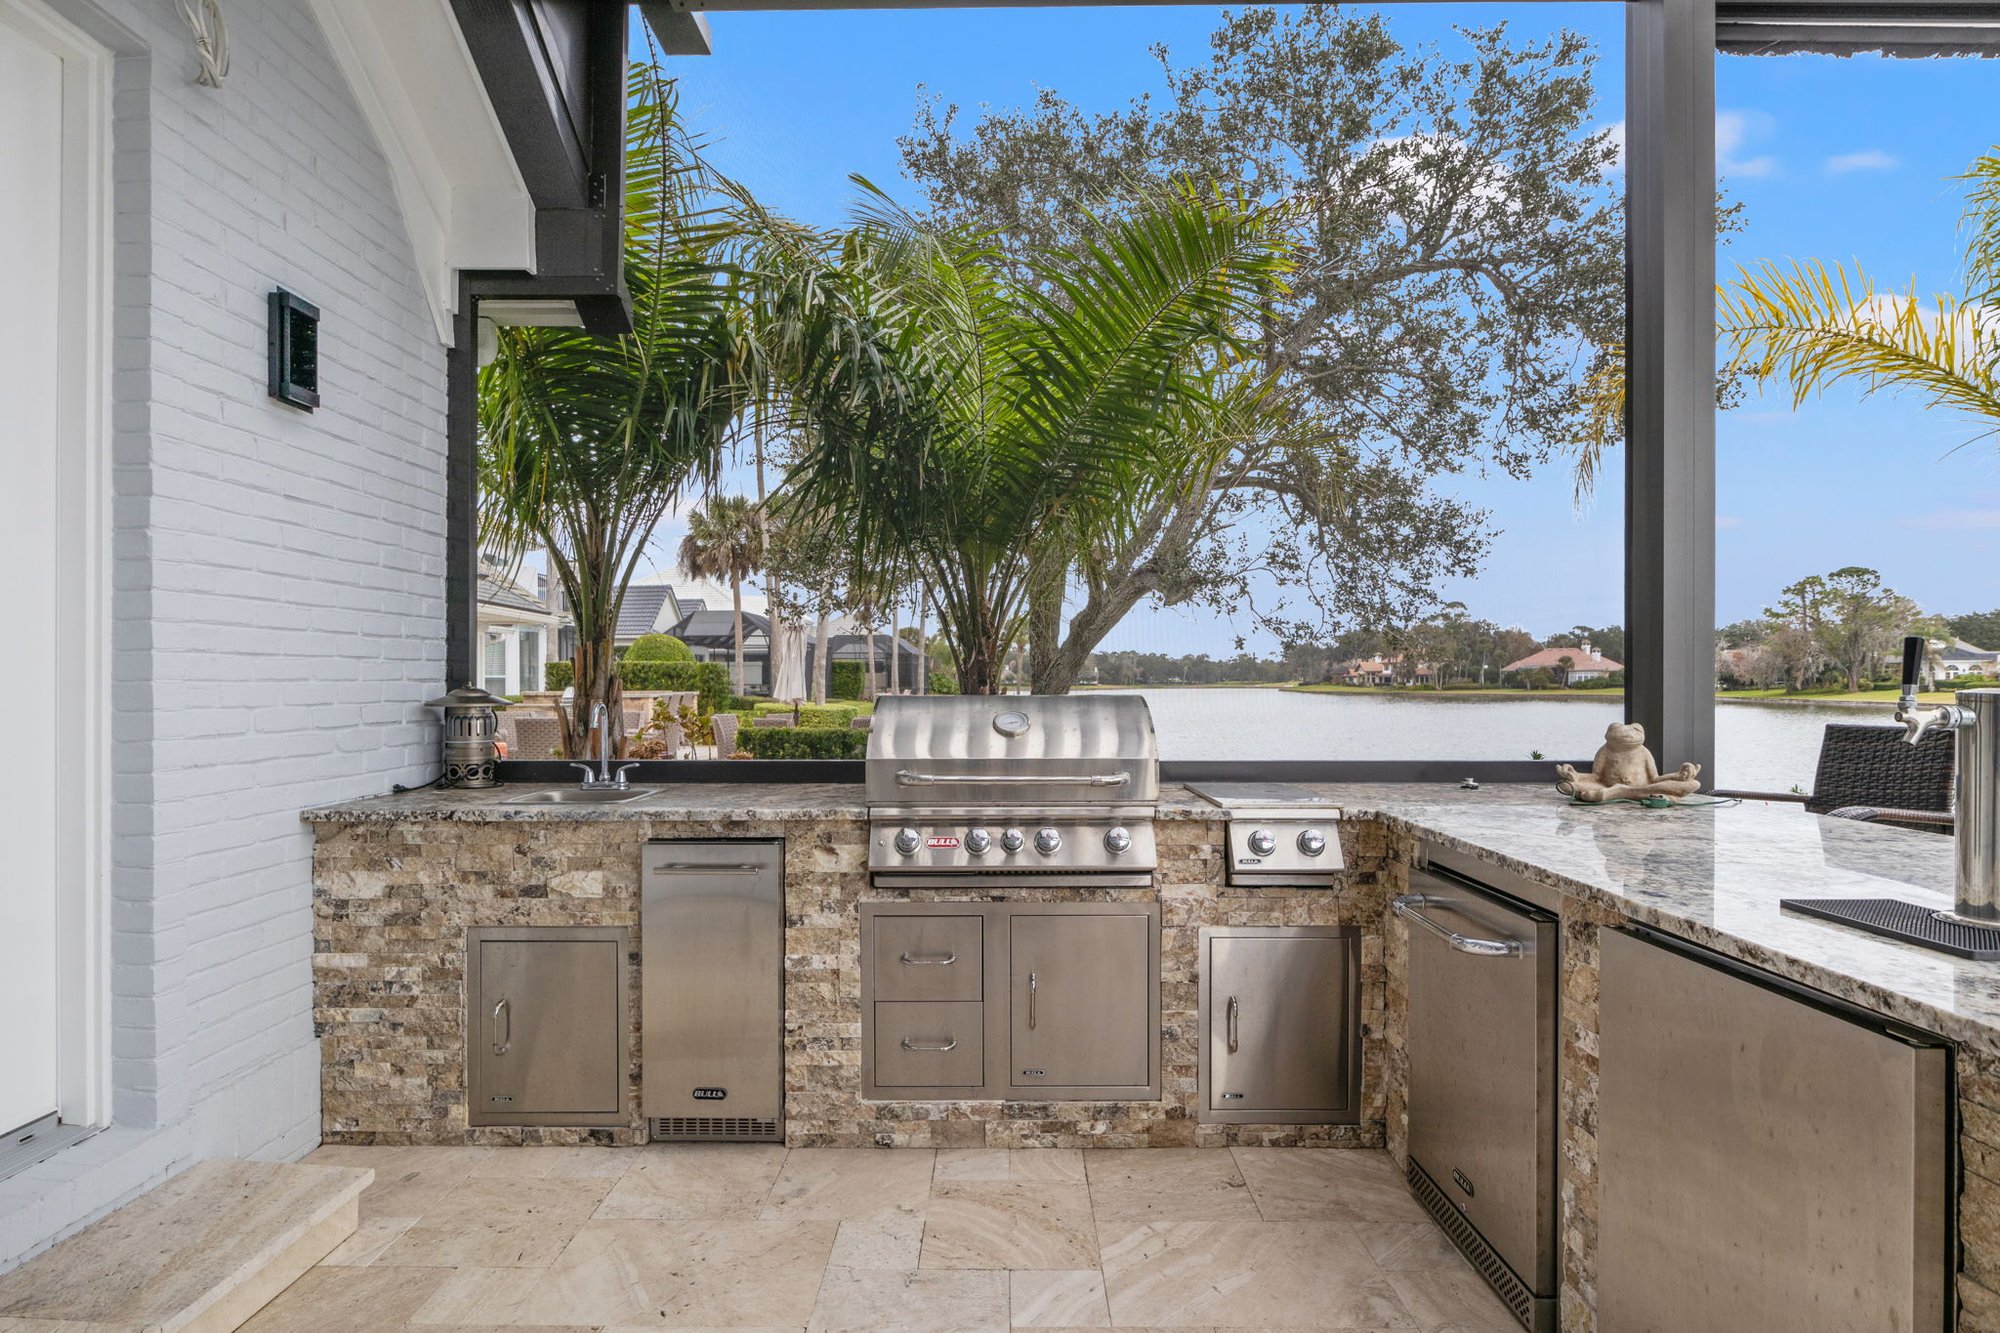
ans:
(1904, 921)
(737, 1127)
(1510, 1289)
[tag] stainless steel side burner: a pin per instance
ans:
(1278, 833)
(1022, 789)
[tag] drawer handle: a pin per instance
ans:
(919, 960)
(1230, 1024)
(503, 1026)
(1406, 907)
(1034, 985)
(950, 1044)
(706, 868)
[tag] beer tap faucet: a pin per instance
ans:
(1918, 719)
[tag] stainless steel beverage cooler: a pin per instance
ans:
(712, 934)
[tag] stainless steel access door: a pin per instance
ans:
(1079, 1001)
(545, 1025)
(1482, 1060)
(1281, 1025)
(1767, 1158)
(712, 932)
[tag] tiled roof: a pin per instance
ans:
(640, 610)
(1552, 658)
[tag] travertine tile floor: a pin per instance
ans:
(563, 1240)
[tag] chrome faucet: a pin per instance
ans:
(602, 775)
(1975, 719)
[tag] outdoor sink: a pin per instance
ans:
(577, 796)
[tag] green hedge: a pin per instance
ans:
(811, 715)
(710, 679)
(658, 648)
(802, 743)
(943, 682)
(558, 675)
(845, 682)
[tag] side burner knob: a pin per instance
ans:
(1312, 842)
(1263, 842)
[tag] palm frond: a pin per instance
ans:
(1981, 223)
(1813, 326)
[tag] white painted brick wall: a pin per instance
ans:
(278, 605)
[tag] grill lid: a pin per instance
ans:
(1012, 750)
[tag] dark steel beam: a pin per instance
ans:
(461, 495)
(1670, 377)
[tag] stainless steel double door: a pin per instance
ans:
(1482, 1060)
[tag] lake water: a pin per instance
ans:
(1770, 748)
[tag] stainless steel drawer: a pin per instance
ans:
(920, 1045)
(929, 957)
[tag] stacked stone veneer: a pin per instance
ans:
(393, 901)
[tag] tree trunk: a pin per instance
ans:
(896, 649)
(822, 669)
(736, 602)
(596, 683)
(1047, 573)
(923, 639)
(979, 668)
(868, 678)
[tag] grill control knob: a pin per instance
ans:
(1012, 840)
(1118, 840)
(1312, 842)
(977, 841)
(1048, 842)
(1263, 842)
(907, 840)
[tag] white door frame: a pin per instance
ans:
(82, 653)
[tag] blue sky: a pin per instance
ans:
(1834, 159)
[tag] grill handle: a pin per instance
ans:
(908, 778)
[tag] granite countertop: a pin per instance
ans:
(690, 800)
(1712, 875)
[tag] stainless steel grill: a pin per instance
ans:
(1012, 789)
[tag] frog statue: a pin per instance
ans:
(1624, 770)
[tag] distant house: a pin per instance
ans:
(522, 628)
(1385, 671)
(1960, 659)
(1584, 663)
(712, 637)
(648, 608)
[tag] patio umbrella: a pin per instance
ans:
(788, 659)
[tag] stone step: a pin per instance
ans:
(199, 1254)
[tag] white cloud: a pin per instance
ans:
(1733, 129)
(1868, 159)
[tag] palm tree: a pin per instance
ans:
(586, 441)
(721, 543)
(966, 410)
(1811, 326)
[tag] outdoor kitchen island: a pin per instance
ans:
(400, 879)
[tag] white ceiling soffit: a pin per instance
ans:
(461, 194)
(508, 314)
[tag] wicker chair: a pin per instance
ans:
(1873, 773)
(725, 725)
(536, 736)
